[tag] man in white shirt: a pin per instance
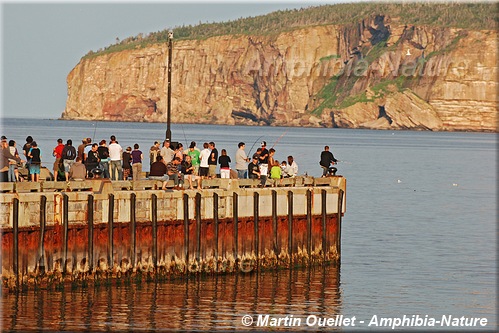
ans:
(241, 161)
(293, 167)
(115, 152)
(166, 152)
(203, 161)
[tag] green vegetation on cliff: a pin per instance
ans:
(473, 16)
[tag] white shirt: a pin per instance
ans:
(294, 168)
(203, 157)
(115, 151)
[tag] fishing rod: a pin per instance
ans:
(283, 134)
(185, 138)
(95, 129)
(249, 153)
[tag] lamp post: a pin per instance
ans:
(169, 96)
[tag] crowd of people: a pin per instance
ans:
(167, 162)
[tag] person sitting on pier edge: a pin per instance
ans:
(173, 173)
(92, 160)
(293, 166)
(158, 171)
(188, 172)
(253, 169)
(327, 159)
(77, 171)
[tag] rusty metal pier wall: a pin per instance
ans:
(49, 238)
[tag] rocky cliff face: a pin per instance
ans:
(376, 74)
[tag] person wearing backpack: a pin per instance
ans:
(68, 157)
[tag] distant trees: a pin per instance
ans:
(458, 15)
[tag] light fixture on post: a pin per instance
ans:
(169, 94)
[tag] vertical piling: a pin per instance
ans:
(274, 222)
(309, 224)
(65, 225)
(90, 222)
(154, 215)
(323, 216)
(16, 238)
(290, 227)
(110, 225)
(198, 227)
(43, 221)
(340, 209)
(186, 228)
(256, 209)
(235, 210)
(215, 221)
(133, 226)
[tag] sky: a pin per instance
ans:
(43, 41)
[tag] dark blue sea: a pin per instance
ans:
(419, 240)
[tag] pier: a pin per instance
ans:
(95, 230)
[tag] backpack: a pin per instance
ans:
(70, 153)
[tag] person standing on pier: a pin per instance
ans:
(224, 161)
(104, 158)
(26, 148)
(264, 166)
(115, 152)
(136, 162)
(127, 163)
(327, 159)
(241, 160)
(68, 157)
(35, 156)
(194, 154)
(293, 167)
(57, 153)
(204, 167)
(213, 160)
(4, 160)
(154, 152)
(167, 152)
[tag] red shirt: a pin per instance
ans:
(58, 150)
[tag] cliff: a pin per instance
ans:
(377, 73)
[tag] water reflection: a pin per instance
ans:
(198, 303)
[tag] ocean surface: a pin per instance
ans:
(419, 239)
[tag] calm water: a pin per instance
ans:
(419, 236)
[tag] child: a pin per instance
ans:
(276, 172)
